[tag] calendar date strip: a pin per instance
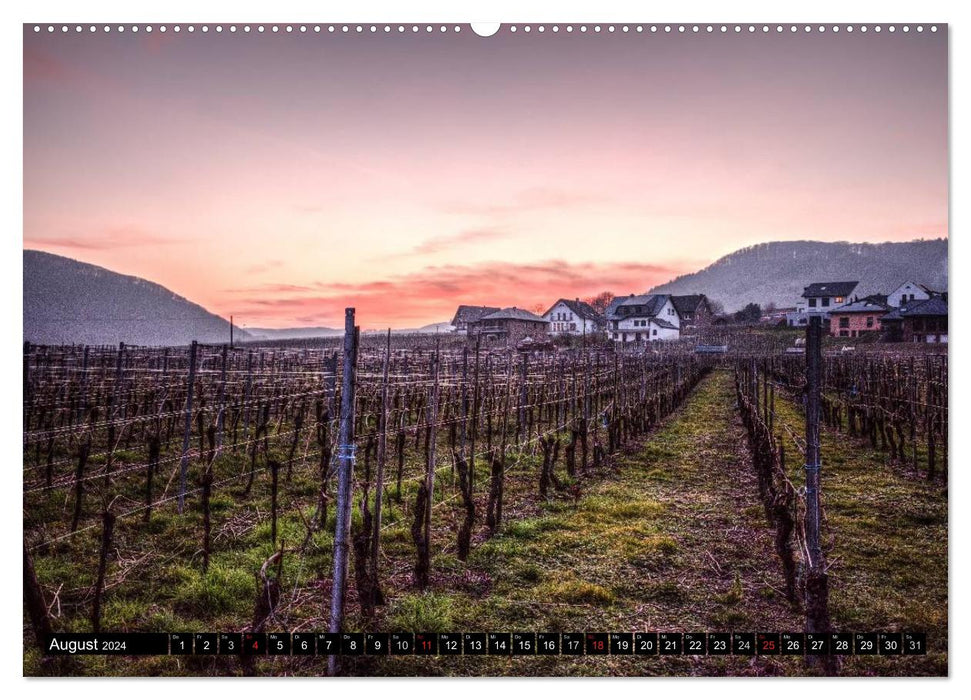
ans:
(490, 644)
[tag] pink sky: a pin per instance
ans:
(280, 178)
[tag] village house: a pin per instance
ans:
(818, 299)
(510, 325)
(858, 318)
(822, 296)
(465, 315)
(574, 317)
(643, 318)
(907, 292)
(775, 316)
(693, 310)
(918, 321)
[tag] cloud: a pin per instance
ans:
(272, 288)
(437, 244)
(261, 267)
(431, 294)
(104, 239)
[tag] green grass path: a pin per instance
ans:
(672, 538)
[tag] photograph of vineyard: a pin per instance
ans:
(591, 490)
(308, 447)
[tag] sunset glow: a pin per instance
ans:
(280, 178)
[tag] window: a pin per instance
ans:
(839, 300)
(825, 301)
(655, 331)
(637, 337)
(812, 302)
(869, 321)
(844, 334)
(844, 321)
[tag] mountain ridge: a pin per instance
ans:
(741, 277)
(69, 301)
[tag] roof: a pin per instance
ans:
(687, 303)
(662, 323)
(935, 306)
(470, 314)
(829, 289)
(580, 308)
(511, 313)
(861, 306)
(652, 304)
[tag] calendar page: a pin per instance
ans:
(537, 349)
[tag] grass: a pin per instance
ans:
(421, 612)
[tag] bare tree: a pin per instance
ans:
(601, 301)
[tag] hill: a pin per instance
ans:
(293, 333)
(67, 301)
(777, 272)
(324, 332)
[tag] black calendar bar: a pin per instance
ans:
(630, 644)
(113, 644)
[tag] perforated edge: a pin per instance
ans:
(518, 29)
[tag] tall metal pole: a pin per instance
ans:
(817, 581)
(345, 481)
(184, 466)
(813, 363)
